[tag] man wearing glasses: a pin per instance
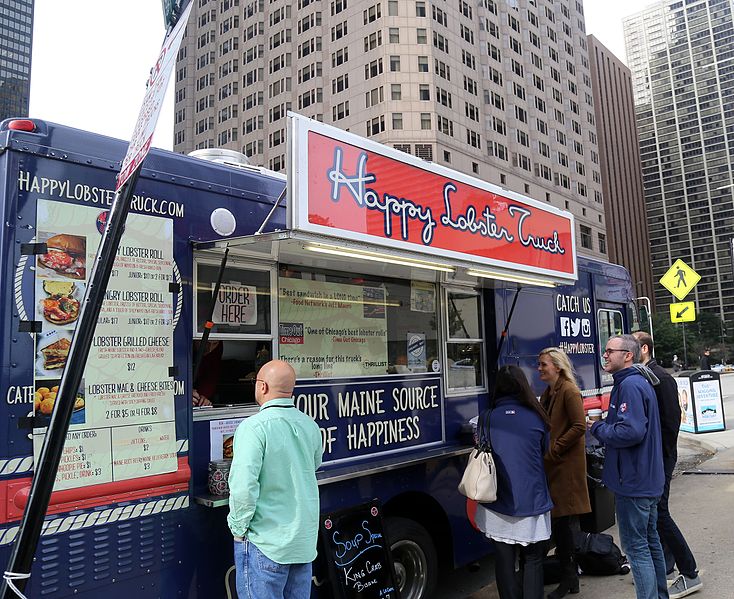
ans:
(274, 497)
(633, 465)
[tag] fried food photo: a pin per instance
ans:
(45, 398)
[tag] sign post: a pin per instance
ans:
(18, 569)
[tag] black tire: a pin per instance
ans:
(414, 557)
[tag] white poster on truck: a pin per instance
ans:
(123, 424)
(332, 329)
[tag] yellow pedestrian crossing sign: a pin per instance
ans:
(683, 312)
(680, 279)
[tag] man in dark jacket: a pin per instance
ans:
(674, 543)
(633, 465)
(705, 360)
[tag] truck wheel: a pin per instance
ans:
(414, 558)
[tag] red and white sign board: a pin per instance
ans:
(151, 108)
(347, 187)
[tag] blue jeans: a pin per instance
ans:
(259, 577)
(637, 522)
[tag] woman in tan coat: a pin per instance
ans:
(565, 462)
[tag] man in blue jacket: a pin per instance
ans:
(633, 464)
(675, 548)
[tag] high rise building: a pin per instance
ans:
(681, 55)
(499, 90)
(16, 37)
(621, 174)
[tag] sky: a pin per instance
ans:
(91, 59)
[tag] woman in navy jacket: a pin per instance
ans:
(519, 522)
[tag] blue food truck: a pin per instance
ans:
(392, 285)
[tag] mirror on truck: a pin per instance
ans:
(643, 322)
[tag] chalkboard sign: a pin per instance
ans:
(358, 553)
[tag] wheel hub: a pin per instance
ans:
(410, 568)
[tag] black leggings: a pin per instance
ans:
(527, 583)
(563, 528)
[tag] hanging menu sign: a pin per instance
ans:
(358, 553)
(123, 425)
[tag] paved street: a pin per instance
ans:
(702, 496)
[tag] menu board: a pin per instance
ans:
(358, 553)
(123, 424)
(326, 329)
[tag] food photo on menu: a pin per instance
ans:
(66, 255)
(52, 350)
(58, 302)
(228, 447)
(44, 400)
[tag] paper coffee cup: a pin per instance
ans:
(594, 415)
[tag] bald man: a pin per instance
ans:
(274, 497)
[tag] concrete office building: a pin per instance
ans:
(621, 173)
(681, 55)
(499, 90)
(16, 37)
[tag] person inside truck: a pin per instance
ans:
(519, 521)
(205, 385)
(565, 462)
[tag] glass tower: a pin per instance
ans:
(16, 36)
(681, 55)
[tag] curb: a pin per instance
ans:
(696, 440)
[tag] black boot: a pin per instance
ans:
(563, 589)
(569, 580)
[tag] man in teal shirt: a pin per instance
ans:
(274, 497)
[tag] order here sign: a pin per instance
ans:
(352, 188)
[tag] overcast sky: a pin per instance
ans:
(91, 59)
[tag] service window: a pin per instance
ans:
(241, 340)
(333, 324)
(465, 340)
(243, 304)
(610, 324)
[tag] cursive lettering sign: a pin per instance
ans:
(482, 221)
(406, 210)
(545, 244)
(486, 227)
(349, 550)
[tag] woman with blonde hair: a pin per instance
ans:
(565, 461)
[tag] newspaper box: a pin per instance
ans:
(702, 409)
